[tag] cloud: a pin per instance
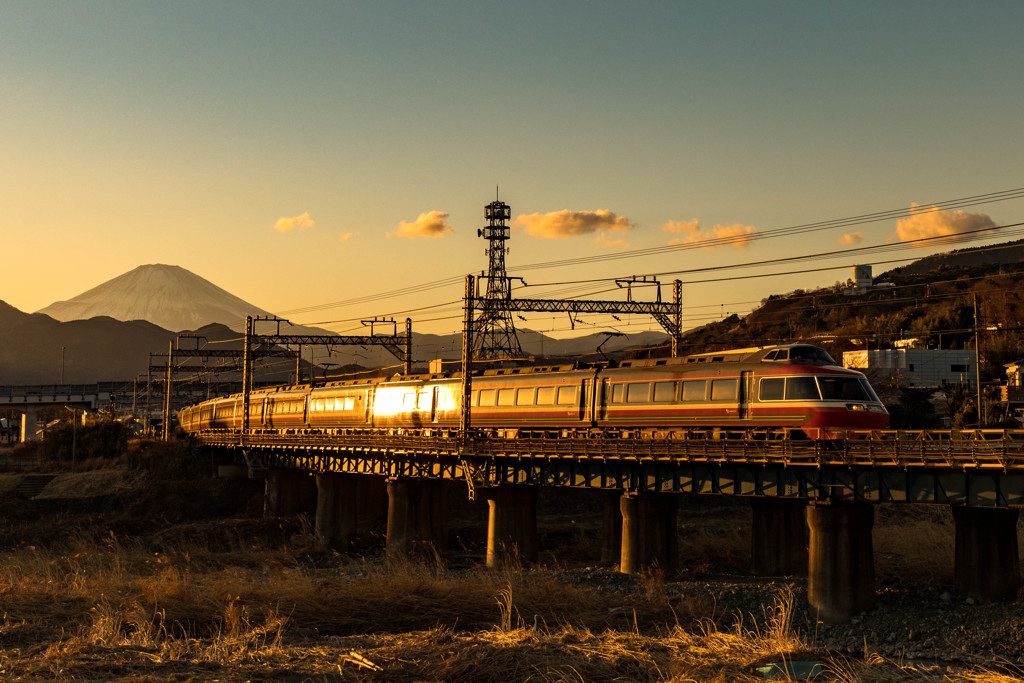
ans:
(605, 241)
(565, 223)
(851, 238)
(737, 236)
(303, 220)
(346, 236)
(929, 221)
(429, 224)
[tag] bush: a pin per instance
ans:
(167, 460)
(100, 439)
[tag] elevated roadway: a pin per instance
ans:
(28, 399)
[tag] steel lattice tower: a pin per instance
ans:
(495, 335)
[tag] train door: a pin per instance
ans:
(601, 400)
(433, 404)
(743, 397)
(591, 400)
(586, 404)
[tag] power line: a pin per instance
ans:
(831, 224)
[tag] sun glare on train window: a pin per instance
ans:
(694, 390)
(638, 392)
(664, 392)
(724, 389)
(487, 397)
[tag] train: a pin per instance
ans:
(782, 391)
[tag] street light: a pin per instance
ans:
(74, 435)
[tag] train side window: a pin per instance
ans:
(771, 389)
(487, 397)
(524, 397)
(408, 401)
(423, 400)
(638, 392)
(506, 397)
(801, 388)
(545, 396)
(664, 392)
(694, 390)
(724, 389)
(349, 404)
(617, 392)
(566, 396)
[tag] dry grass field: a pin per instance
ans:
(123, 592)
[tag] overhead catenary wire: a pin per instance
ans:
(945, 205)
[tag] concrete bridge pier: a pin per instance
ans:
(841, 566)
(511, 524)
(649, 532)
(987, 555)
(611, 531)
(778, 539)
(337, 510)
(28, 425)
(415, 515)
(288, 492)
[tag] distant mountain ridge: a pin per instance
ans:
(170, 297)
(112, 329)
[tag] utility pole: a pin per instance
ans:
(977, 363)
(467, 361)
(246, 372)
(167, 392)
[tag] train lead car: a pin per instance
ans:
(786, 390)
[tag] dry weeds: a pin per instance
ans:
(115, 610)
(248, 600)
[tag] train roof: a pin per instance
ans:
(750, 354)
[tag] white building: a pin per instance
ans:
(918, 367)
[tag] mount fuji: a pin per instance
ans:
(170, 297)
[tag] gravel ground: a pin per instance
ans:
(913, 622)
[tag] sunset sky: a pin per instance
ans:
(307, 155)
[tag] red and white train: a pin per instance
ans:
(794, 390)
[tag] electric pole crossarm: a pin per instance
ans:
(233, 367)
(207, 353)
(394, 343)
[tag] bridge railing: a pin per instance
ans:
(946, 449)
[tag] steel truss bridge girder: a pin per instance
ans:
(662, 312)
(959, 473)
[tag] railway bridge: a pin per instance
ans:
(811, 500)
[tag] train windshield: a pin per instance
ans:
(846, 389)
(810, 353)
